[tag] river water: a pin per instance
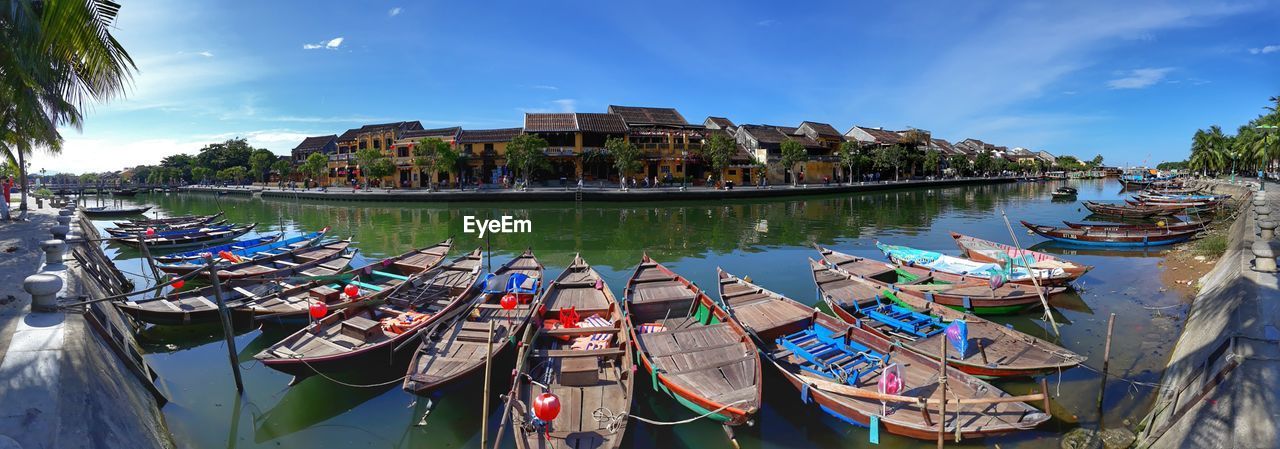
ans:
(768, 240)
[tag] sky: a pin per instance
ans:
(1129, 80)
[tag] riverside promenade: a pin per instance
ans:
(65, 378)
(1222, 384)
(593, 192)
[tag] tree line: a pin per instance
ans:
(1255, 146)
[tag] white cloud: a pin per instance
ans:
(566, 105)
(766, 22)
(1139, 78)
(1264, 50)
(394, 12)
(331, 44)
(545, 87)
(206, 53)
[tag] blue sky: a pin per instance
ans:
(1129, 80)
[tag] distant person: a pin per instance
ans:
(7, 186)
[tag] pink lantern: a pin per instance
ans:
(151, 232)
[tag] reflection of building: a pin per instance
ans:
(342, 164)
(572, 137)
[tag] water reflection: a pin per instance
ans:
(769, 240)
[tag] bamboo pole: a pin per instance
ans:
(1106, 362)
(226, 323)
(942, 385)
(488, 368)
(1034, 281)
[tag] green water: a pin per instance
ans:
(768, 240)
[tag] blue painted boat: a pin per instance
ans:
(1112, 238)
(244, 250)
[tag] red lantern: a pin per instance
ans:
(178, 284)
(151, 232)
(352, 291)
(508, 301)
(228, 256)
(318, 309)
(546, 407)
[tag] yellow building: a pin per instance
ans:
(408, 175)
(820, 142)
(574, 140)
(485, 153)
(669, 143)
(343, 168)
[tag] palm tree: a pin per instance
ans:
(55, 57)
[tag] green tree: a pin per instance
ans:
(260, 162)
(959, 163)
(381, 168)
(1095, 162)
(366, 158)
(792, 153)
(849, 154)
(982, 164)
(315, 166)
(626, 157)
(932, 161)
(717, 151)
(201, 174)
(893, 156)
(434, 155)
(282, 167)
(1069, 163)
(56, 56)
(526, 152)
(235, 174)
(230, 153)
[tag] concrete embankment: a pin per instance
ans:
(589, 194)
(70, 377)
(1220, 387)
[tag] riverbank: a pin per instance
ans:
(594, 193)
(1220, 383)
(65, 385)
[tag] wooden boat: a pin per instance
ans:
(1127, 211)
(144, 222)
(1127, 237)
(238, 247)
(1015, 273)
(917, 325)
(265, 263)
(1181, 226)
(188, 238)
(109, 211)
(124, 192)
(460, 347)
(370, 279)
(690, 347)
(839, 366)
(200, 305)
(588, 367)
(1173, 204)
(958, 292)
(1064, 192)
(129, 231)
(368, 336)
(999, 253)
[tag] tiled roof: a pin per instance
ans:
(881, 135)
(443, 133)
(770, 135)
(602, 123)
(635, 115)
(315, 143)
(351, 134)
(720, 121)
(550, 122)
(822, 129)
(489, 135)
